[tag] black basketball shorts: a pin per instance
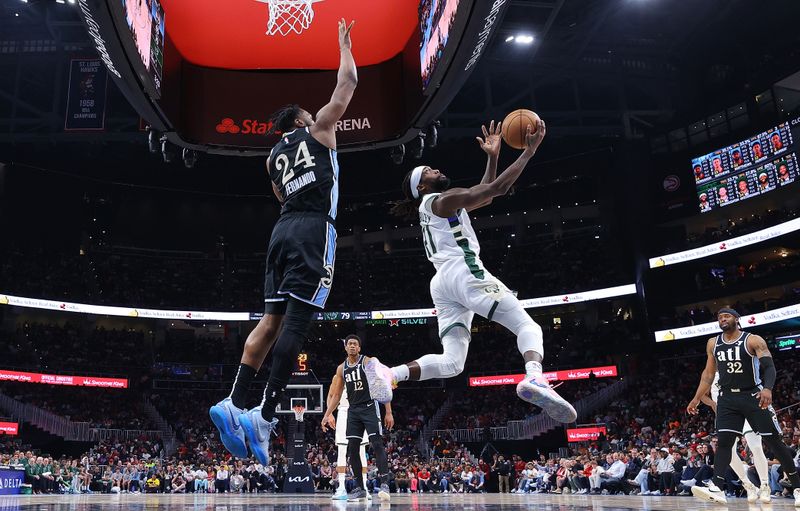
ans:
(734, 407)
(364, 417)
(300, 261)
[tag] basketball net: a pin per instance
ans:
(286, 16)
(299, 410)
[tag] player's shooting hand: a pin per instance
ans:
(388, 421)
(490, 143)
(328, 421)
(764, 398)
(534, 138)
(344, 34)
(692, 408)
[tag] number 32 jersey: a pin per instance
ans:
(737, 367)
(306, 173)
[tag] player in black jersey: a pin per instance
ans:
(300, 259)
(746, 378)
(363, 414)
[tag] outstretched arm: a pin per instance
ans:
(706, 380)
(346, 81)
(490, 144)
(446, 204)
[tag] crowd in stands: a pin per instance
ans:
(368, 280)
(699, 314)
(99, 407)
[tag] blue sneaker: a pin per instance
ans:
(258, 431)
(341, 494)
(226, 417)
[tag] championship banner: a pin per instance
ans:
(68, 380)
(86, 96)
(726, 245)
(585, 434)
(565, 375)
(9, 428)
(712, 328)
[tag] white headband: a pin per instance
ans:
(416, 175)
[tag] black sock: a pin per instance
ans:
(272, 396)
(241, 385)
(296, 323)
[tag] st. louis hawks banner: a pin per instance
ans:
(86, 97)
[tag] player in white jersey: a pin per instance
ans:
(462, 285)
(738, 466)
(341, 446)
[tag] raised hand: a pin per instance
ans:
(533, 140)
(490, 143)
(344, 34)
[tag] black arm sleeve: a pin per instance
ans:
(768, 373)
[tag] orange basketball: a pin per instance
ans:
(515, 126)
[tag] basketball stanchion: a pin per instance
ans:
(298, 478)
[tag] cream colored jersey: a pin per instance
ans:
(450, 243)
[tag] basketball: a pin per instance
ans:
(515, 125)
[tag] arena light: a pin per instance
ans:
(712, 327)
(726, 245)
(189, 315)
(523, 39)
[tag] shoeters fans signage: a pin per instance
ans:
(9, 428)
(585, 434)
(568, 374)
(59, 379)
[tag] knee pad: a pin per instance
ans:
(726, 440)
(353, 445)
(376, 442)
(298, 317)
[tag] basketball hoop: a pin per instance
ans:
(286, 16)
(299, 410)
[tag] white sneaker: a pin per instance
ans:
(381, 380)
(341, 494)
(711, 493)
(689, 482)
(764, 494)
(796, 494)
(537, 390)
(752, 491)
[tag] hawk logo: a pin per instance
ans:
(327, 281)
(227, 125)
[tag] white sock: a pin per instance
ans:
(364, 480)
(341, 483)
(533, 368)
(400, 372)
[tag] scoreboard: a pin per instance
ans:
(748, 168)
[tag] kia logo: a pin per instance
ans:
(227, 125)
(298, 479)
